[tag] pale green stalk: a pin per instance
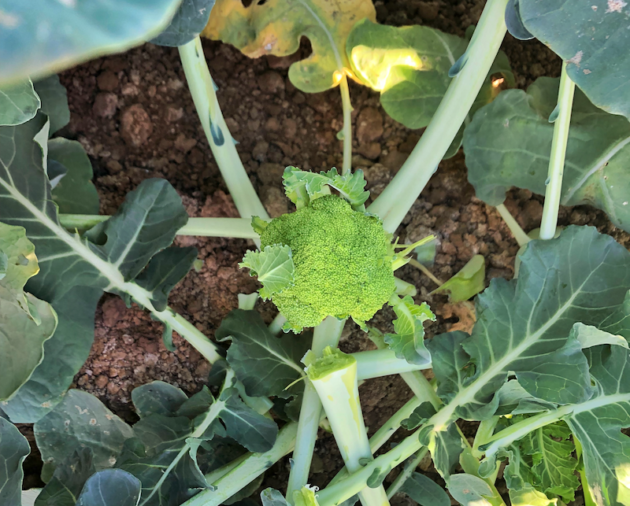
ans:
(557, 157)
(204, 96)
(519, 234)
(347, 124)
(483, 435)
(326, 334)
(394, 203)
(403, 288)
(588, 498)
(338, 391)
(386, 431)
(275, 327)
(406, 473)
(377, 363)
(234, 228)
(246, 471)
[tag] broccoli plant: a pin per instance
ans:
(544, 369)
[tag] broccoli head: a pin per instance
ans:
(342, 258)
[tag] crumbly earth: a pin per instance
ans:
(134, 116)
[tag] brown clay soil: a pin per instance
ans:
(134, 116)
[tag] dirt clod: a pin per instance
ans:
(135, 126)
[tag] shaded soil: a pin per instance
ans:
(134, 116)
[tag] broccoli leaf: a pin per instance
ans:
(273, 266)
(145, 224)
(161, 433)
(26, 322)
(408, 341)
(254, 431)
(550, 449)
(509, 141)
(468, 282)
(68, 480)
(589, 336)
(524, 324)
(111, 487)
(189, 21)
(18, 103)
(410, 66)
(158, 398)
(302, 187)
(44, 37)
(54, 99)
(272, 497)
(593, 38)
(425, 491)
(597, 424)
(276, 26)
(470, 490)
(13, 450)
(419, 415)
(264, 363)
(80, 421)
(75, 193)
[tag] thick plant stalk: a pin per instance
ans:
(326, 334)
(394, 203)
(519, 234)
(377, 363)
(347, 124)
(334, 376)
(204, 95)
(233, 228)
(247, 470)
(558, 155)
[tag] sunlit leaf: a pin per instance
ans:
(468, 282)
(273, 266)
(276, 26)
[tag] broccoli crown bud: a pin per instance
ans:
(343, 262)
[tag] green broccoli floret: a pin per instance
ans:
(343, 262)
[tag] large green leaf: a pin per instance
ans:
(597, 425)
(111, 487)
(188, 22)
(25, 321)
(13, 450)
(68, 480)
(75, 193)
(509, 141)
(18, 103)
(158, 398)
(593, 37)
(254, 431)
(425, 491)
(144, 225)
(80, 421)
(264, 363)
(276, 26)
(524, 325)
(410, 66)
(40, 37)
(54, 99)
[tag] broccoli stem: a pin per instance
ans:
(347, 125)
(204, 95)
(558, 154)
(235, 228)
(588, 498)
(326, 334)
(248, 468)
(335, 378)
(377, 363)
(394, 203)
(519, 234)
(276, 325)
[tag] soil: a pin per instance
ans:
(134, 116)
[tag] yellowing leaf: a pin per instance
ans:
(466, 283)
(276, 26)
